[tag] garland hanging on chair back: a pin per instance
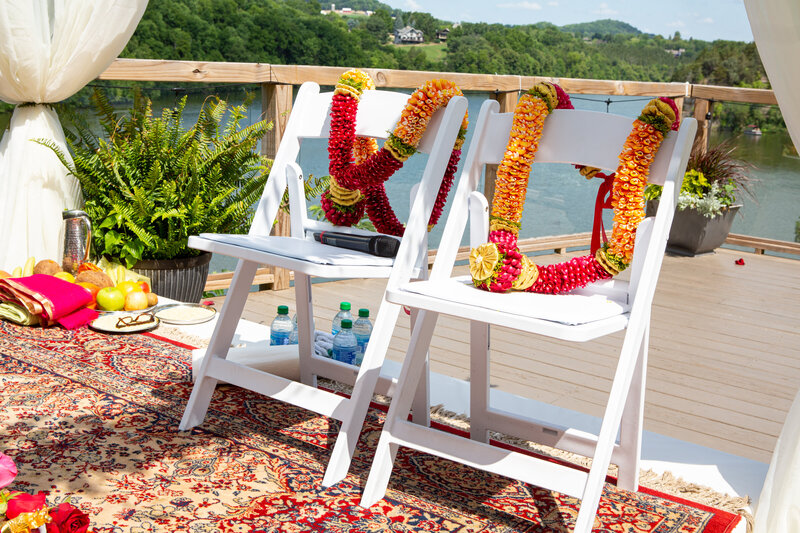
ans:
(498, 266)
(358, 169)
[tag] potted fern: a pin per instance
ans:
(149, 183)
(707, 203)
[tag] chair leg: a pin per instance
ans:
(367, 378)
(421, 408)
(413, 366)
(479, 381)
(220, 343)
(305, 327)
(630, 432)
(611, 422)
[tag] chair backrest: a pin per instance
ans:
(574, 137)
(378, 112)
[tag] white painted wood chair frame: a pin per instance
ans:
(570, 136)
(377, 114)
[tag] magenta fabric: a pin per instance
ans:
(50, 298)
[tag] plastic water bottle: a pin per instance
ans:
(293, 338)
(344, 312)
(362, 329)
(281, 327)
(345, 347)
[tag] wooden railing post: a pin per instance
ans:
(276, 104)
(508, 101)
(701, 108)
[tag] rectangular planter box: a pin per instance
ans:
(692, 233)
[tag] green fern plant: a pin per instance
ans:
(149, 183)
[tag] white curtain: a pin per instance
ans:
(49, 49)
(776, 28)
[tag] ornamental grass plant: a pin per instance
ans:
(149, 182)
(712, 180)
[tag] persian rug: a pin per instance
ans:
(95, 417)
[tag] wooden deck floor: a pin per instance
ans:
(724, 358)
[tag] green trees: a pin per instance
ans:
(294, 32)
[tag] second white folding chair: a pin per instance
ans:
(378, 112)
(575, 137)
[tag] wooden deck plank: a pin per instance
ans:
(723, 363)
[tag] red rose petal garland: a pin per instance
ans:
(498, 266)
(358, 169)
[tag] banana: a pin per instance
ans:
(29, 264)
(121, 274)
(17, 273)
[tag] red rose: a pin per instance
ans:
(25, 503)
(68, 519)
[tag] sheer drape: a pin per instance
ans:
(776, 28)
(49, 49)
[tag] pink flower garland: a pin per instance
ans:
(369, 176)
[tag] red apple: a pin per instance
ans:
(144, 285)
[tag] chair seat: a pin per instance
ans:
(306, 256)
(584, 314)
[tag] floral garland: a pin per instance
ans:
(359, 169)
(498, 266)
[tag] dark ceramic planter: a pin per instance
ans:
(181, 279)
(693, 234)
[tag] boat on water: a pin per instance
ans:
(752, 129)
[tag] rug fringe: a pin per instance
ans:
(177, 334)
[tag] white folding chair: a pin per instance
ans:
(378, 112)
(570, 136)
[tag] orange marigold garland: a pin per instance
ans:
(359, 169)
(498, 266)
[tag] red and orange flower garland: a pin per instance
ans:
(498, 266)
(358, 169)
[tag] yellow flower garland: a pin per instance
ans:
(498, 266)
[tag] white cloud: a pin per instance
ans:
(552, 4)
(603, 9)
(707, 20)
(413, 6)
(676, 24)
(532, 6)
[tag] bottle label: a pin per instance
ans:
(345, 354)
(278, 338)
(362, 341)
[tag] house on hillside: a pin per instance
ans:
(441, 35)
(407, 35)
(676, 53)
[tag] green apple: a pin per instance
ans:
(110, 299)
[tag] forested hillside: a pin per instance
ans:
(295, 32)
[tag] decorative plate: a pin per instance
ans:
(185, 314)
(125, 322)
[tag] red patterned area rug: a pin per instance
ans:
(96, 417)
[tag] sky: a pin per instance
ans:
(707, 20)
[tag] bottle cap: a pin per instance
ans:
(344, 306)
(363, 313)
(347, 323)
(283, 309)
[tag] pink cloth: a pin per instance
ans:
(51, 299)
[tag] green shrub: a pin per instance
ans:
(711, 182)
(149, 183)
